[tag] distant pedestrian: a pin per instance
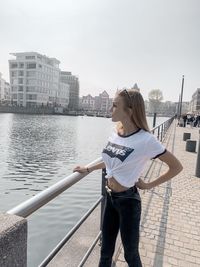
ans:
(191, 120)
(124, 157)
(198, 120)
(184, 116)
(181, 122)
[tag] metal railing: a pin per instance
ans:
(31, 205)
(161, 129)
(69, 235)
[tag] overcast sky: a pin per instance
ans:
(109, 44)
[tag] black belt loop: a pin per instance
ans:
(109, 191)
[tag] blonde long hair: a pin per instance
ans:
(133, 100)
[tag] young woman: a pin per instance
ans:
(124, 157)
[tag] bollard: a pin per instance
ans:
(190, 145)
(186, 136)
(197, 173)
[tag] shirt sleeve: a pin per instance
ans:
(154, 148)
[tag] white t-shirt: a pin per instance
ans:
(125, 156)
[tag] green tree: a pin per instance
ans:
(155, 98)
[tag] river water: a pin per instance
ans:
(36, 151)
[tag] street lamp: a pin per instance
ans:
(181, 97)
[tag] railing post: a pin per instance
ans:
(161, 132)
(197, 173)
(103, 193)
(154, 119)
(165, 127)
(13, 240)
(158, 132)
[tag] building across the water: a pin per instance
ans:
(4, 91)
(102, 102)
(35, 81)
(195, 102)
(67, 78)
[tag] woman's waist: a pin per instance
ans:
(129, 192)
(115, 186)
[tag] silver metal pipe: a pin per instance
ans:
(29, 206)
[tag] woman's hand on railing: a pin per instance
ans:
(95, 166)
(81, 169)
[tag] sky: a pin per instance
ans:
(110, 44)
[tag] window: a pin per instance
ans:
(13, 88)
(31, 81)
(31, 65)
(20, 96)
(13, 65)
(13, 73)
(30, 57)
(21, 65)
(20, 88)
(32, 97)
(14, 81)
(21, 73)
(30, 89)
(20, 80)
(31, 73)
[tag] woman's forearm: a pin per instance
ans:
(174, 168)
(165, 177)
(97, 166)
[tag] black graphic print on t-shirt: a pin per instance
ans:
(117, 151)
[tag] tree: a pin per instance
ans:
(155, 98)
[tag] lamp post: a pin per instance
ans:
(181, 97)
(178, 107)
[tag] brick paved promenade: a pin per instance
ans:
(170, 224)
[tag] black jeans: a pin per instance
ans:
(122, 212)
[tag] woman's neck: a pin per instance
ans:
(128, 128)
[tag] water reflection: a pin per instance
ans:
(37, 147)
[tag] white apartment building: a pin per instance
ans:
(194, 105)
(4, 91)
(35, 81)
(72, 80)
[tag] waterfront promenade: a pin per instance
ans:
(170, 223)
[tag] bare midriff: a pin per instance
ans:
(115, 186)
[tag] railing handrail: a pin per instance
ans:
(34, 203)
(156, 127)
